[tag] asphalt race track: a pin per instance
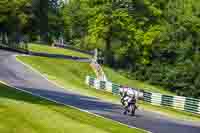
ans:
(20, 76)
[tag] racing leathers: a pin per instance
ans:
(128, 97)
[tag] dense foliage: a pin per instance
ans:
(157, 41)
(36, 19)
(153, 40)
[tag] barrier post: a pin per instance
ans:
(177, 102)
(167, 100)
(156, 99)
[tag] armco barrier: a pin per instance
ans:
(103, 85)
(177, 102)
(22, 48)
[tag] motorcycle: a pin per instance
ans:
(129, 98)
(130, 107)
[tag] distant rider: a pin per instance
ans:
(128, 97)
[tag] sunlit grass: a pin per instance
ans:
(71, 75)
(55, 50)
(23, 113)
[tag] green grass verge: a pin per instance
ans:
(54, 50)
(61, 69)
(117, 77)
(112, 75)
(71, 75)
(23, 113)
(68, 73)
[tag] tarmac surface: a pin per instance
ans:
(20, 76)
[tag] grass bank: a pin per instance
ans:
(55, 50)
(71, 75)
(117, 77)
(23, 113)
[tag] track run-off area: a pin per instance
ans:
(20, 76)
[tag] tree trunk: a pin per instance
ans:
(108, 53)
(43, 20)
(4, 38)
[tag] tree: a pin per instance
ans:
(154, 40)
(14, 16)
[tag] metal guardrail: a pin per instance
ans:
(22, 47)
(74, 48)
(59, 56)
(187, 104)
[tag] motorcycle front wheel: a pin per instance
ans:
(132, 109)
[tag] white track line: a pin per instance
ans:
(37, 95)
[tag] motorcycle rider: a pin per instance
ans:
(128, 97)
(123, 94)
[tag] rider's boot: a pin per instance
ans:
(125, 112)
